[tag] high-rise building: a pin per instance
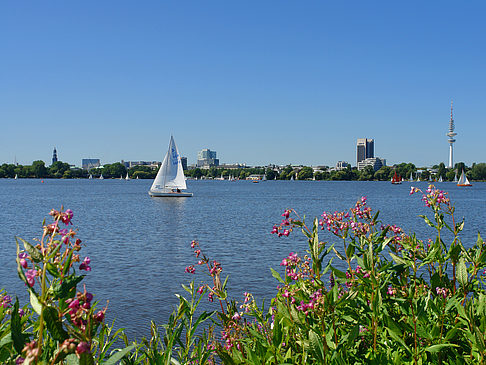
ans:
(207, 158)
(54, 156)
(451, 140)
(365, 148)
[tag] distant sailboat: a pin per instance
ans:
(463, 181)
(127, 177)
(411, 176)
(137, 177)
(455, 177)
(440, 179)
(16, 177)
(170, 178)
(101, 177)
(292, 178)
(90, 176)
(396, 179)
(121, 177)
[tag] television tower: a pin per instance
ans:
(451, 140)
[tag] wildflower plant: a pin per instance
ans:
(62, 322)
(397, 300)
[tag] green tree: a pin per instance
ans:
(478, 171)
(39, 169)
(441, 170)
(366, 174)
(306, 173)
(270, 174)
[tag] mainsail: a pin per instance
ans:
(171, 174)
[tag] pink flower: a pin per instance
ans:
(200, 289)
(286, 213)
(286, 232)
(85, 264)
(82, 347)
(190, 269)
(99, 316)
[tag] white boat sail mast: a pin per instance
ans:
(170, 179)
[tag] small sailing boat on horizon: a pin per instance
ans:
(396, 179)
(170, 179)
(16, 177)
(127, 177)
(463, 181)
(101, 177)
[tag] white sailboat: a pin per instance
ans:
(127, 177)
(121, 177)
(411, 177)
(440, 179)
(463, 181)
(90, 176)
(170, 178)
(101, 177)
(455, 177)
(16, 177)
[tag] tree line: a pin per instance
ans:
(63, 170)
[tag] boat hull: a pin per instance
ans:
(169, 194)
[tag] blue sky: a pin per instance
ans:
(257, 81)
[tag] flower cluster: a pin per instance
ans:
(433, 197)
(285, 227)
(5, 301)
(443, 292)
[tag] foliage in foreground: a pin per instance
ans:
(391, 298)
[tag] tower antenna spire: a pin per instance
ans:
(451, 139)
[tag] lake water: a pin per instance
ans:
(139, 246)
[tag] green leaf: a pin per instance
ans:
(117, 356)
(427, 220)
(437, 348)
(34, 302)
(86, 359)
(67, 263)
(316, 346)
(33, 252)
(277, 276)
(399, 260)
(69, 283)
(72, 359)
(462, 272)
(338, 254)
(16, 328)
(54, 324)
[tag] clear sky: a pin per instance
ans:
(257, 81)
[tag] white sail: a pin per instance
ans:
(127, 177)
(171, 174)
(440, 179)
(15, 177)
(463, 181)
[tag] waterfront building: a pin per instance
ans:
(365, 148)
(90, 163)
(341, 165)
(451, 140)
(54, 156)
(207, 158)
(375, 162)
(152, 164)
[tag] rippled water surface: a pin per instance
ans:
(139, 246)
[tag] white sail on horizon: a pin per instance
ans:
(170, 174)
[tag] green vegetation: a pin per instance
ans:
(62, 170)
(392, 299)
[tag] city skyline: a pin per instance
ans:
(260, 83)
